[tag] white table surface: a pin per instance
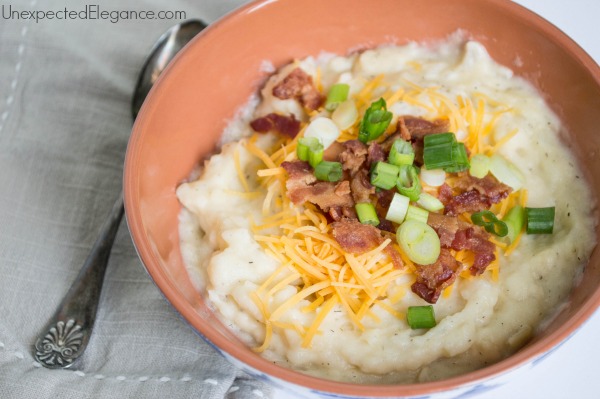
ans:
(571, 371)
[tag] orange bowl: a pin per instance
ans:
(182, 119)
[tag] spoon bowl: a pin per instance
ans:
(166, 47)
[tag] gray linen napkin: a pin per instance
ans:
(65, 88)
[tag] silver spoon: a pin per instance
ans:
(68, 332)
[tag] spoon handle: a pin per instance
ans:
(68, 332)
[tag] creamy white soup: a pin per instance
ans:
(317, 264)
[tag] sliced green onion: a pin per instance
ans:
(429, 202)
(433, 177)
(345, 115)
(419, 242)
(438, 156)
(432, 140)
(437, 150)
(506, 172)
(408, 182)
(366, 213)
(498, 228)
(337, 94)
(324, 129)
(384, 175)
(460, 159)
(484, 217)
(416, 213)
(480, 166)
(328, 171)
(515, 220)
(443, 151)
(375, 121)
(304, 145)
(315, 155)
(540, 220)
(490, 222)
(398, 208)
(310, 149)
(401, 153)
(420, 317)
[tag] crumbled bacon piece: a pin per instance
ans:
(333, 152)
(474, 194)
(459, 235)
(419, 127)
(282, 124)
(343, 188)
(375, 153)
(488, 186)
(358, 238)
(475, 240)
(469, 201)
(354, 155)
(446, 227)
(385, 225)
(414, 129)
(300, 174)
(384, 198)
(302, 186)
(432, 279)
(338, 213)
(445, 193)
(362, 189)
(299, 85)
(325, 195)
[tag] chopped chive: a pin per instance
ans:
(420, 317)
(540, 220)
(375, 121)
(328, 171)
(337, 95)
(384, 175)
(401, 153)
(366, 213)
(408, 182)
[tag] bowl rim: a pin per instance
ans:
(151, 261)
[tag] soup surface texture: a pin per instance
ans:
(276, 263)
